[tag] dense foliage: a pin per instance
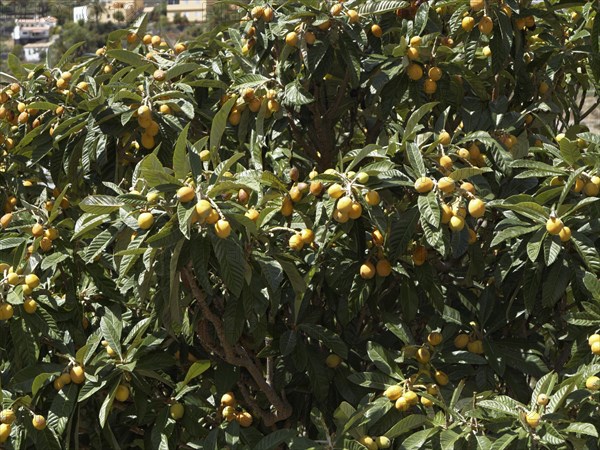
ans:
(333, 225)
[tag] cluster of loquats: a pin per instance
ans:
(230, 411)
(253, 100)
(11, 279)
(9, 416)
(472, 341)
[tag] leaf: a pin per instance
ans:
(402, 231)
(219, 123)
(430, 208)
(415, 158)
(127, 57)
(555, 283)
(331, 340)
(581, 428)
(100, 204)
(372, 380)
(504, 441)
(296, 95)
(468, 172)
(499, 407)
(112, 327)
(411, 129)
(232, 263)
(382, 6)
(181, 164)
(195, 370)
(382, 358)
(107, 403)
(272, 440)
(407, 424)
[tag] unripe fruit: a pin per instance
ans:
(456, 223)
(542, 399)
(592, 383)
(446, 185)
(235, 117)
(110, 352)
(287, 207)
(344, 204)
(372, 198)
(423, 355)
(554, 226)
(595, 347)
(77, 374)
(476, 347)
(419, 255)
(441, 378)
(6, 311)
(377, 238)
(37, 230)
(335, 190)
(565, 234)
(295, 242)
(7, 416)
(383, 442)
(423, 185)
(222, 228)
(415, 41)
(291, 38)
(5, 220)
(295, 194)
(368, 442)
(414, 71)
(4, 432)
(412, 53)
(145, 220)
(444, 138)
(578, 186)
(355, 210)
(32, 281)
(429, 86)
(30, 305)
(383, 268)
(446, 213)
(176, 411)
(229, 413)
(435, 338)
(332, 361)
(411, 397)
(532, 419)
(228, 399)
(593, 338)
(38, 422)
(367, 270)
(426, 402)
(244, 419)
(65, 378)
(13, 279)
(393, 393)
(476, 208)
(591, 189)
(468, 23)
(476, 5)
(461, 340)
(486, 25)
(122, 394)
(435, 73)
(376, 30)
(307, 235)
(401, 404)
(252, 214)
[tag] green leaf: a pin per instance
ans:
(415, 158)
(112, 327)
(232, 263)
(274, 439)
(382, 358)
(402, 231)
(430, 208)
(181, 163)
(100, 204)
(581, 428)
(555, 283)
(219, 124)
(407, 424)
(296, 95)
(127, 57)
(107, 403)
(500, 407)
(468, 172)
(331, 340)
(195, 370)
(372, 380)
(382, 6)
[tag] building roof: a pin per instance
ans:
(38, 45)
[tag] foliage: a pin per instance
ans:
(303, 230)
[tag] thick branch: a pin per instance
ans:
(237, 355)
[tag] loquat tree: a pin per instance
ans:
(331, 225)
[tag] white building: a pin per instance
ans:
(80, 13)
(35, 51)
(193, 10)
(30, 30)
